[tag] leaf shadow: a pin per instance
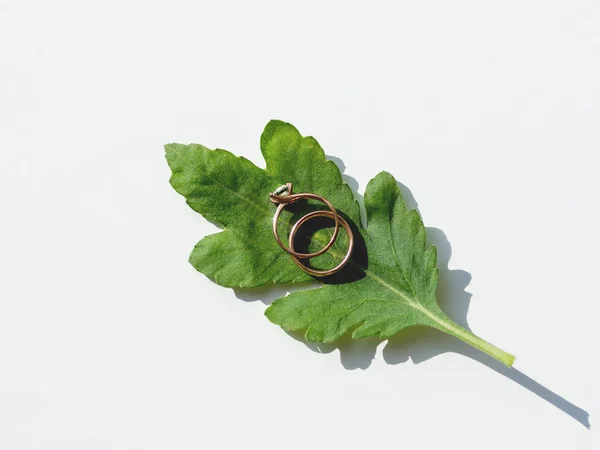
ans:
(422, 343)
(418, 344)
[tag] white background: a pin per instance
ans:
(487, 112)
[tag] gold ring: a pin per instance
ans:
(283, 196)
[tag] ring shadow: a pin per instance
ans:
(418, 344)
(355, 268)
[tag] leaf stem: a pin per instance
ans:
(475, 341)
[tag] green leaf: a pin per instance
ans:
(391, 280)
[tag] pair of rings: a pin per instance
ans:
(282, 197)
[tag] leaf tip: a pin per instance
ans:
(171, 148)
(270, 312)
(276, 125)
(384, 175)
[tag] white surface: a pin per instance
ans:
(487, 111)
